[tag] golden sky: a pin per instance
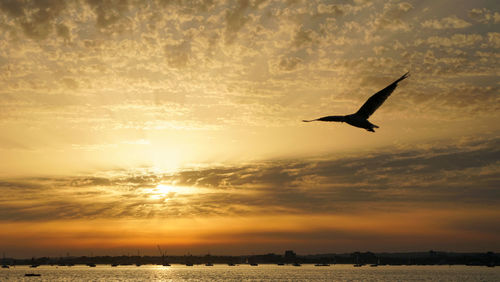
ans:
(127, 124)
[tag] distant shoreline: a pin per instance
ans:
(360, 258)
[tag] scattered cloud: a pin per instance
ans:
(289, 63)
(448, 22)
(178, 53)
(110, 15)
(484, 15)
(394, 16)
(334, 10)
(465, 172)
(304, 37)
(494, 39)
(458, 40)
(236, 18)
(35, 18)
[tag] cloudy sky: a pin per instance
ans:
(127, 124)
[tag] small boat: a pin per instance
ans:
(322, 264)
(231, 264)
(209, 264)
(91, 265)
(254, 264)
(296, 264)
(138, 264)
(281, 264)
(32, 274)
(357, 264)
(4, 265)
(189, 264)
(34, 265)
(376, 264)
(163, 254)
(114, 265)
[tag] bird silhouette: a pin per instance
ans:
(360, 118)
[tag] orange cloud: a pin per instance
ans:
(372, 230)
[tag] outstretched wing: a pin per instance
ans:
(377, 99)
(327, 118)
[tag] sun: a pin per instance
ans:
(168, 189)
(162, 191)
(165, 189)
(166, 192)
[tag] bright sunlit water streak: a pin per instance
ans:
(259, 273)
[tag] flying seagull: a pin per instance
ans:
(360, 118)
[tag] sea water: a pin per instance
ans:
(252, 273)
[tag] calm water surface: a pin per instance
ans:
(252, 273)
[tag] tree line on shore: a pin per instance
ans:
(361, 258)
